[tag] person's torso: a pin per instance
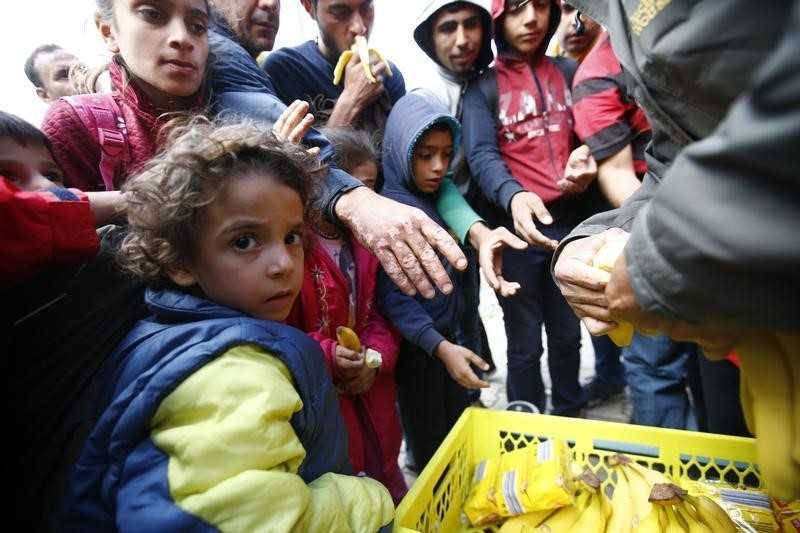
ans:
(534, 123)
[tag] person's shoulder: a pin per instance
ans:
(58, 113)
(301, 53)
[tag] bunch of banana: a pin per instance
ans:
(349, 339)
(630, 501)
(770, 396)
(675, 511)
(604, 260)
(363, 50)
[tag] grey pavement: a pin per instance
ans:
(616, 410)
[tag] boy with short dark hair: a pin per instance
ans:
(432, 371)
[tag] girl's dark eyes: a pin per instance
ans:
(294, 238)
(244, 243)
(196, 27)
(152, 14)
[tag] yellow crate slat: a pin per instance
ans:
(435, 499)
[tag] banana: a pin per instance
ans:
(639, 491)
(673, 524)
(651, 476)
(593, 517)
(348, 338)
(768, 380)
(363, 50)
(524, 522)
(689, 516)
(621, 519)
(711, 514)
(791, 350)
(564, 518)
(604, 260)
(651, 522)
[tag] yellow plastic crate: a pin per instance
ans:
(435, 500)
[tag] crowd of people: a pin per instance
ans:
(193, 224)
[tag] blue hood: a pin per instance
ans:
(410, 118)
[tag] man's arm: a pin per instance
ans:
(616, 177)
(718, 243)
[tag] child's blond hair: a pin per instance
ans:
(165, 201)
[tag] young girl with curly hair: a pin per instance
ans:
(215, 415)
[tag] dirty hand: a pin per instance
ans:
(349, 364)
(715, 341)
(457, 360)
(403, 239)
(582, 284)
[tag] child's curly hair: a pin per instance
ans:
(165, 201)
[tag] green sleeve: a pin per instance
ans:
(455, 210)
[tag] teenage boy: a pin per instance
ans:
(432, 369)
(305, 72)
(518, 137)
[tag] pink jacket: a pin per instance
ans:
(77, 150)
(323, 305)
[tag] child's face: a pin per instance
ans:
(431, 159)
(164, 45)
(30, 168)
(366, 172)
(525, 25)
(249, 249)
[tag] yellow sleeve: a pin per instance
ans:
(234, 456)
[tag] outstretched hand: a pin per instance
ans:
(490, 244)
(580, 172)
(525, 207)
(294, 123)
(457, 360)
(404, 240)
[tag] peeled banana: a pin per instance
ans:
(363, 50)
(604, 260)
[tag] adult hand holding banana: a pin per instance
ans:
(362, 50)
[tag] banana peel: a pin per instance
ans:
(363, 50)
(622, 335)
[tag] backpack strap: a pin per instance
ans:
(100, 113)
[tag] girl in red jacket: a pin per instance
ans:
(338, 290)
(160, 53)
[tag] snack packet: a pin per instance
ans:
(750, 509)
(534, 478)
